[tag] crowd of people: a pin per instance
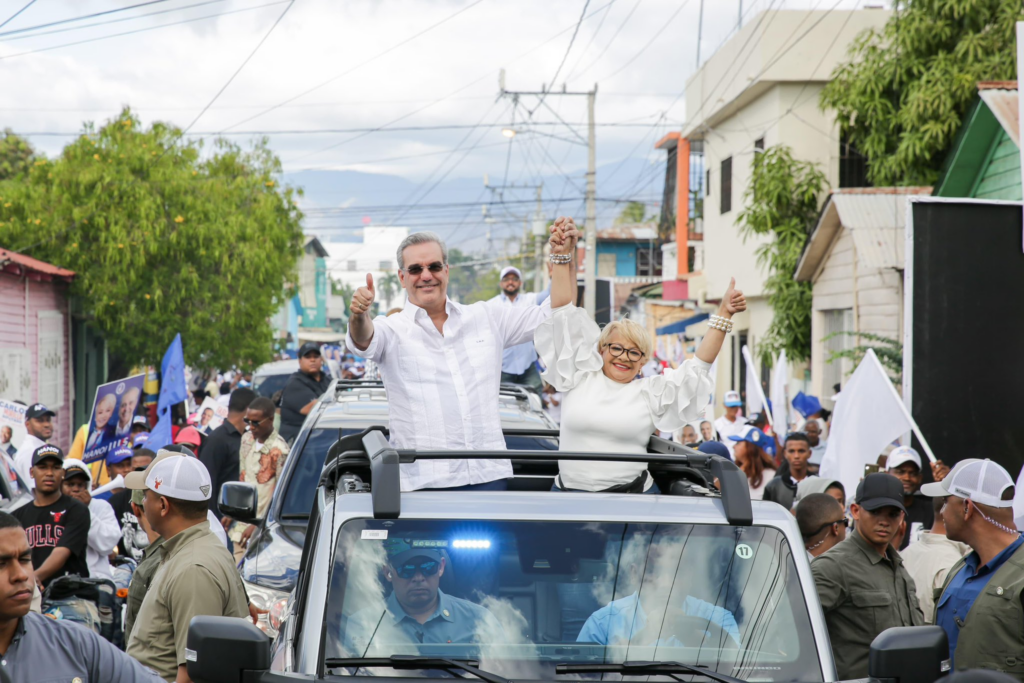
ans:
(896, 552)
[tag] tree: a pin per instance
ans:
(888, 350)
(16, 155)
(632, 212)
(782, 204)
(163, 239)
(389, 286)
(902, 96)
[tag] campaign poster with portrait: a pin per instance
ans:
(210, 415)
(110, 424)
(12, 424)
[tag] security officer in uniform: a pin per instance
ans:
(980, 607)
(862, 584)
(197, 575)
(417, 610)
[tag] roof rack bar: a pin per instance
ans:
(408, 456)
(386, 492)
(735, 491)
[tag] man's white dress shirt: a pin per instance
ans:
(104, 533)
(443, 389)
(23, 460)
(517, 359)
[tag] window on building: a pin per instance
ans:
(707, 184)
(648, 261)
(350, 266)
(759, 145)
(51, 358)
(726, 201)
(837, 324)
(853, 166)
(385, 265)
(606, 264)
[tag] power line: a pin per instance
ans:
(593, 37)
(649, 42)
(80, 18)
(554, 79)
(614, 36)
(142, 30)
(240, 66)
(13, 16)
(358, 66)
(111, 21)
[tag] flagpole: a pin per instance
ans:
(757, 382)
(910, 418)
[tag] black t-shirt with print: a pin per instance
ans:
(122, 504)
(62, 524)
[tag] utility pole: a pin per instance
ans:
(590, 237)
(538, 243)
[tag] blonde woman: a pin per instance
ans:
(605, 408)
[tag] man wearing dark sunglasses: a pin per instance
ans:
(822, 523)
(417, 610)
(441, 360)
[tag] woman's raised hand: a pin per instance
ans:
(564, 236)
(733, 302)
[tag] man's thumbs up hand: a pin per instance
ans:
(363, 298)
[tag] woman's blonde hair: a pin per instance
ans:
(632, 332)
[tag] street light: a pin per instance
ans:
(508, 132)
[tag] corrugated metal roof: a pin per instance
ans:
(877, 222)
(30, 263)
(1003, 104)
(633, 231)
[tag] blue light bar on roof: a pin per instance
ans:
(471, 544)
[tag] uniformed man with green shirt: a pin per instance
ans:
(862, 584)
(196, 575)
(143, 575)
(981, 605)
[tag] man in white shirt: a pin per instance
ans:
(517, 362)
(731, 424)
(441, 361)
(929, 560)
(104, 531)
(39, 425)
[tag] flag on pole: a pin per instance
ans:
(780, 396)
(173, 389)
(869, 416)
(756, 400)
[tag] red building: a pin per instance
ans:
(35, 343)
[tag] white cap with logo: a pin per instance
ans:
(182, 478)
(902, 455)
(981, 481)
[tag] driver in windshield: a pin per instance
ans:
(651, 580)
(417, 610)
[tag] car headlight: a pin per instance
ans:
(275, 603)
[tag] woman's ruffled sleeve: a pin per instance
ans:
(678, 396)
(567, 345)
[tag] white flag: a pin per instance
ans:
(869, 416)
(756, 399)
(780, 396)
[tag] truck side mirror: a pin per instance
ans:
(238, 501)
(909, 654)
(225, 650)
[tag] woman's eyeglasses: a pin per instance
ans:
(617, 350)
(428, 568)
(416, 269)
(253, 423)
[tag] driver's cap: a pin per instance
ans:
(401, 550)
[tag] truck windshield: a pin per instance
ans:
(523, 597)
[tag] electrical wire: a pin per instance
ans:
(612, 40)
(15, 15)
(650, 42)
(111, 21)
(80, 18)
(554, 79)
(240, 67)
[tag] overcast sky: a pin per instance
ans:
(180, 53)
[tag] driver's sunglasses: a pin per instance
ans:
(617, 350)
(417, 269)
(428, 568)
(844, 522)
(253, 423)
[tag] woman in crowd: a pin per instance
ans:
(603, 408)
(750, 456)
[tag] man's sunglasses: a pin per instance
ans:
(416, 269)
(253, 423)
(617, 350)
(409, 570)
(844, 522)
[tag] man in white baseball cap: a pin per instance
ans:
(197, 576)
(904, 463)
(518, 363)
(730, 424)
(980, 606)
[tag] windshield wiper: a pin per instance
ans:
(420, 662)
(645, 669)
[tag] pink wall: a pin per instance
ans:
(20, 331)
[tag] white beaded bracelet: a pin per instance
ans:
(560, 259)
(717, 322)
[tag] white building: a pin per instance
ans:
(349, 262)
(761, 89)
(854, 260)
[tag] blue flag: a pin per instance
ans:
(172, 390)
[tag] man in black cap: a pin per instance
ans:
(57, 524)
(862, 584)
(39, 425)
(303, 390)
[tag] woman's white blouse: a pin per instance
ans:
(602, 415)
